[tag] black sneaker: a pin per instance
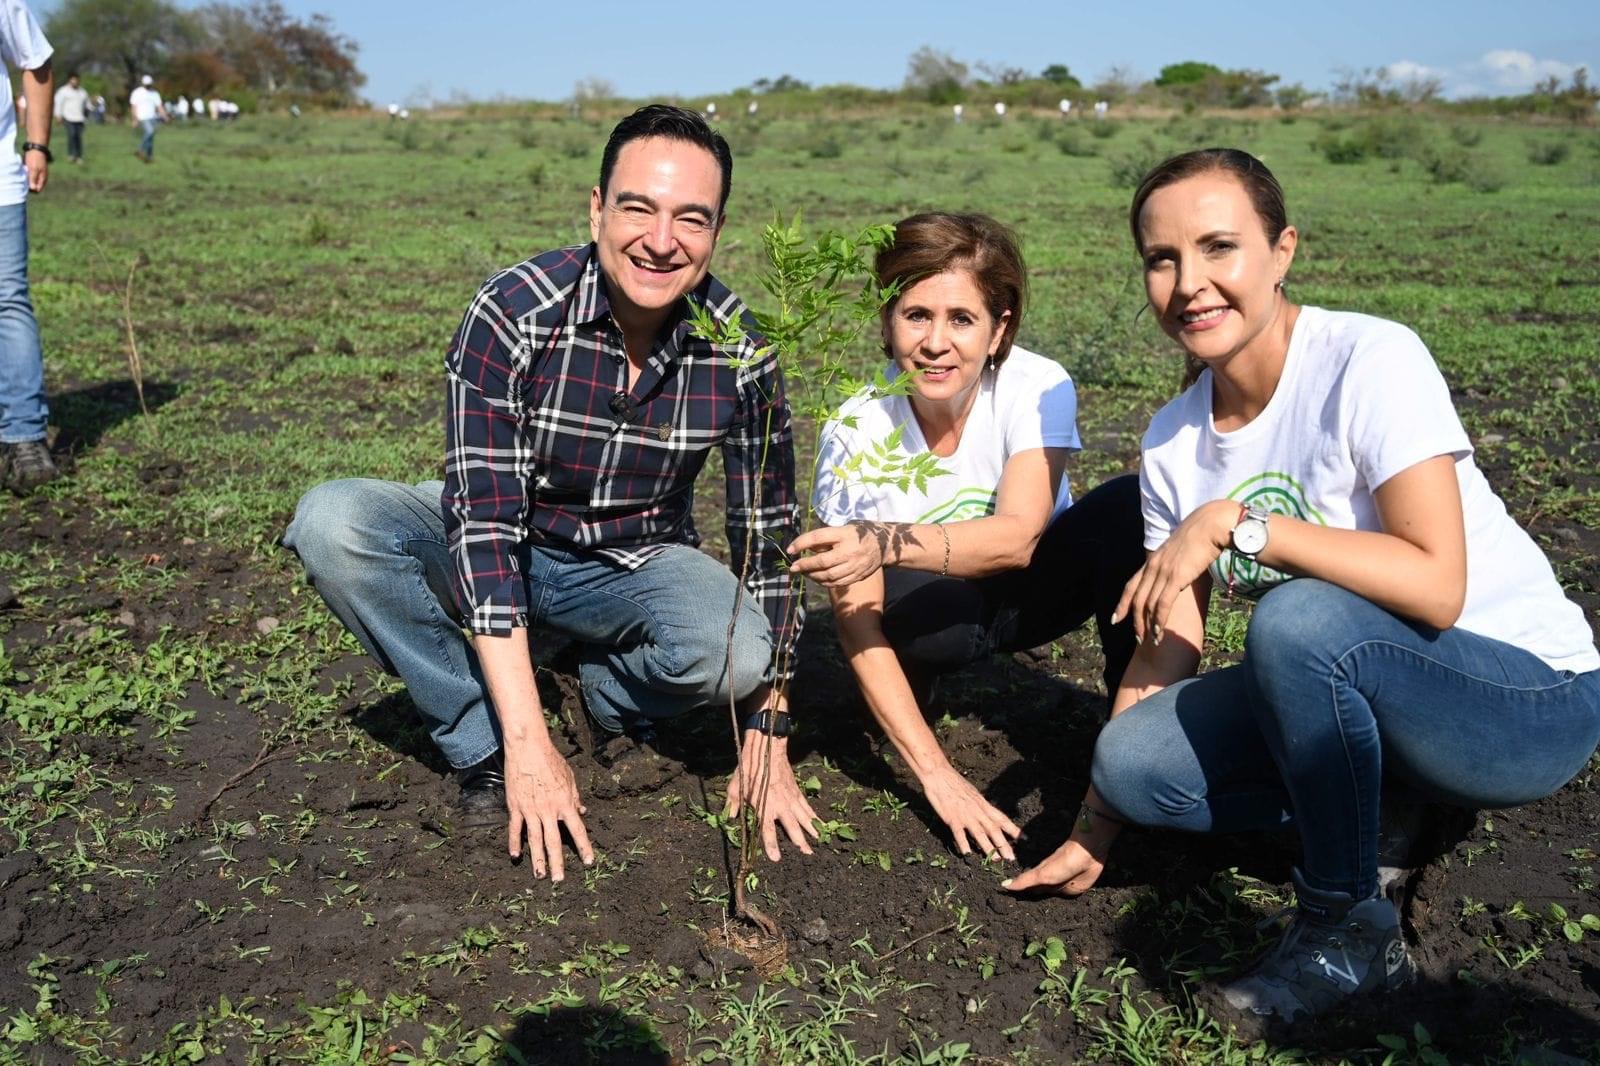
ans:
(1334, 948)
(483, 792)
(26, 466)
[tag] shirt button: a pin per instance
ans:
(617, 359)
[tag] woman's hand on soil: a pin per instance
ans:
(542, 796)
(836, 556)
(1194, 545)
(785, 804)
(1070, 871)
(968, 814)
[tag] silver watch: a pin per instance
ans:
(1249, 537)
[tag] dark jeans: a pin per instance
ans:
(1335, 696)
(74, 140)
(938, 624)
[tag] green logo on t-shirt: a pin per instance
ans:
(1276, 493)
(968, 503)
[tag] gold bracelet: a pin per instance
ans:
(944, 571)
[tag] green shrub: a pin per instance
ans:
(1340, 150)
(1548, 153)
(1104, 129)
(1072, 142)
(1466, 136)
(1129, 168)
(1486, 177)
(1446, 164)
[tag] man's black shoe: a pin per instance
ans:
(483, 792)
(26, 466)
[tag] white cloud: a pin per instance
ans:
(1512, 69)
(1405, 70)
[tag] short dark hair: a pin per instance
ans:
(936, 241)
(674, 123)
(1266, 195)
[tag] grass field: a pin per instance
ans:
(223, 835)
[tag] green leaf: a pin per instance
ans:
(1393, 1042)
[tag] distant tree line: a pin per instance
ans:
(255, 53)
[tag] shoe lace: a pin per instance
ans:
(31, 457)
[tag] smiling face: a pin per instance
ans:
(1210, 272)
(941, 327)
(655, 227)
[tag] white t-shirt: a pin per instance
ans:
(1029, 402)
(1359, 401)
(72, 104)
(145, 103)
(22, 47)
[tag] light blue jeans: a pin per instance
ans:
(23, 411)
(147, 142)
(1335, 695)
(652, 641)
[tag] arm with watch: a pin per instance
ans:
(38, 88)
(1415, 567)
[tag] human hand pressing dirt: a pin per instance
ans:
(542, 796)
(968, 814)
(766, 758)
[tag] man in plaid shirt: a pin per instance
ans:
(581, 407)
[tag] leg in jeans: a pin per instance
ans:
(376, 552)
(23, 412)
(654, 640)
(74, 140)
(1343, 691)
(147, 143)
(1083, 559)
(1190, 757)
(1336, 693)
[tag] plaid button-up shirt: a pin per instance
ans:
(545, 441)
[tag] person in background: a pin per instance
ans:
(1411, 645)
(181, 109)
(993, 554)
(25, 461)
(148, 112)
(72, 109)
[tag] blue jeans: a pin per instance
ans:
(147, 143)
(1335, 695)
(23, 411)
(652, 642)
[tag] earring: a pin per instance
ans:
(1279, 287)
(991, 364)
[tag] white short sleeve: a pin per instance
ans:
(22, 42)
(831, 494)
(1043, 412)
(1396, 407)
(1158, 503)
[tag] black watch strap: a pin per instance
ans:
(778, 723)
(35, 146)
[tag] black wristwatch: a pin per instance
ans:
(35, 146)
(778, 723)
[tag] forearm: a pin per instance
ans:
(979, 547)
(883, 683)
(1427, 587)
(38, 88)
(513, 693)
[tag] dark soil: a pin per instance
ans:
(381, 879)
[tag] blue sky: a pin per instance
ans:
(418, 50)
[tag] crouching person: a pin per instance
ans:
(579, 411)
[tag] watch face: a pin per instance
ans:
(1250, 536)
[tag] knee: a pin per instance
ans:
(328, 531)
(704, 663)
(1297, 625)
(1130, 775)
(940, 650)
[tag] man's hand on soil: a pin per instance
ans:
(785, 804)
(542, 796)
